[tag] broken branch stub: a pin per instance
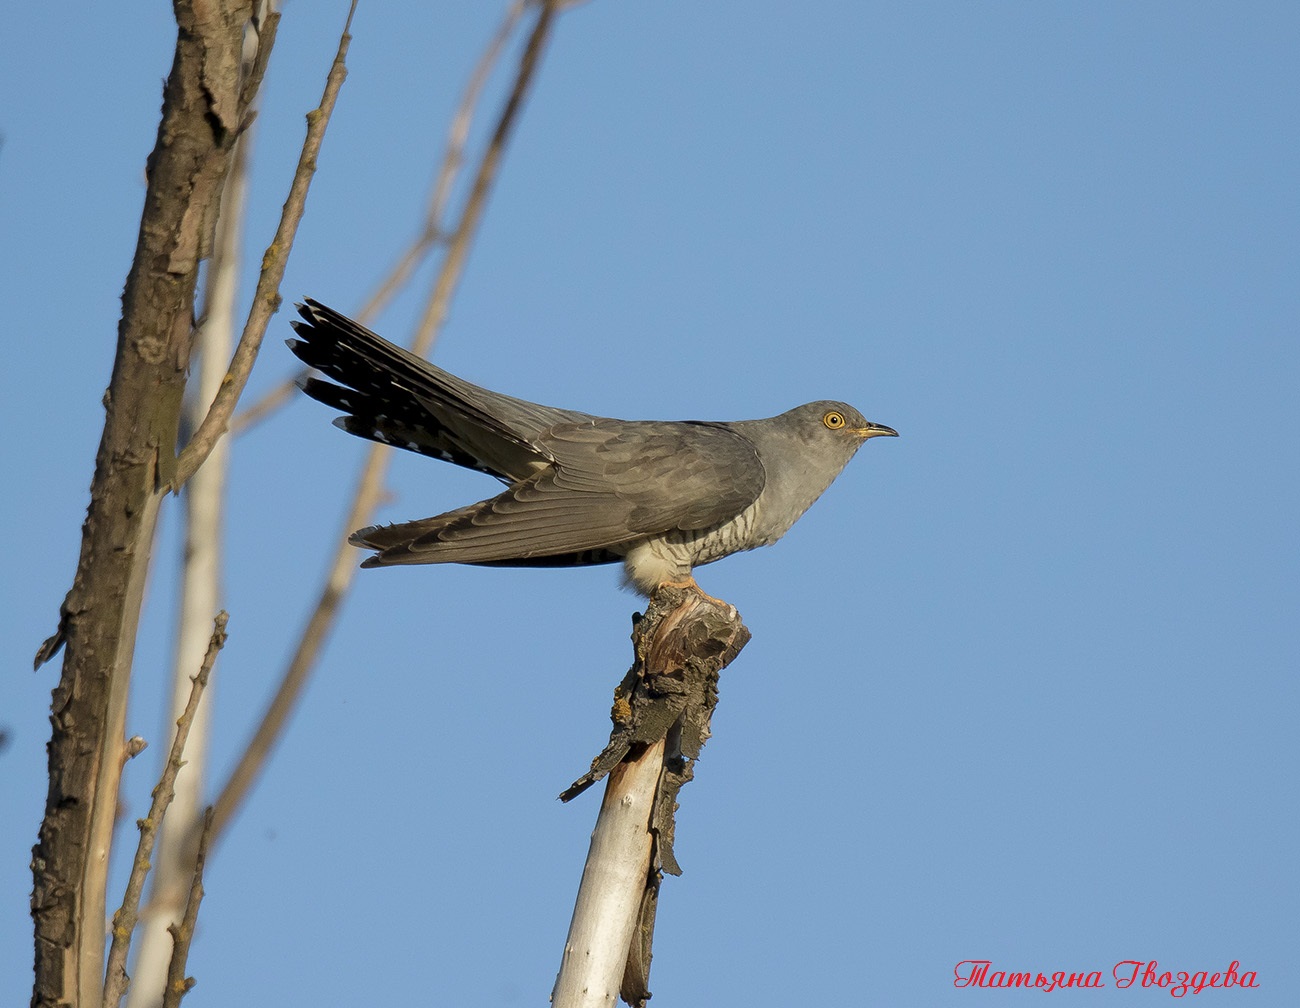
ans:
(681, 644)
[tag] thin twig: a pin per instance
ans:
(458, 248)
(124, 919)
(279, 396)
(178, 984)
(369, 483)
(266, 299)
(342, 570)
(452, 159)
(432, 230)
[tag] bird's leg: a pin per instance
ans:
(688, 583)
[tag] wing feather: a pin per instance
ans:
(611, 483)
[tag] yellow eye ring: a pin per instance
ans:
(833, 420)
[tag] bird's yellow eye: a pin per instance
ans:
(833, 420)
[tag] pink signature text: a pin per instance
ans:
(1128, 973)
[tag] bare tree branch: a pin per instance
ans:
(458, 248)
(266, 299)
(432, 230)
(124, 919)
(204, 107)
(314, 635)
(613, 880)
(178, 984)
(200, 562)
(270, 404)
(662, 713)
(451, 163)
(369, 484)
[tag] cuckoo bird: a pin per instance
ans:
(661, 497)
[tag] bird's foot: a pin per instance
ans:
(689, 583)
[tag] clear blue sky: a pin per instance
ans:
(1022, 685)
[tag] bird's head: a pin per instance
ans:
(838, 421)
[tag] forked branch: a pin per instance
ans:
(266, 298)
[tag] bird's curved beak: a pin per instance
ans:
(874, 430)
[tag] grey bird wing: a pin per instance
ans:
(612, 482)
(394, 397)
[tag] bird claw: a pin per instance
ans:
(689, 583)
